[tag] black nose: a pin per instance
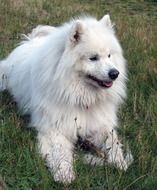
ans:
(113, 74)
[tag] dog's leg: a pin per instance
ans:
(112, 149)
(58, 152)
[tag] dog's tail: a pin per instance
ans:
(38, 32)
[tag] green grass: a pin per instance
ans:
(21, 167)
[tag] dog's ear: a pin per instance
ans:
(77, 30)
(106, 21)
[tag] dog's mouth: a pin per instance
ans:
(102, 83)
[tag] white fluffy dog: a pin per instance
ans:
(71, 79)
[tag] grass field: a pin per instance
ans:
(21, 167)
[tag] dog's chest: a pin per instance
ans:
(89, 121)
(83, 122)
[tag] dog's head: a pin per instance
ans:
(94, 52)
(92, 66)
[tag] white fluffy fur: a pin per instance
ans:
(46, 74)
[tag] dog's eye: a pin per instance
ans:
(109, 55)
(94, 58)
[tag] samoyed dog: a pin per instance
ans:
(71, 80)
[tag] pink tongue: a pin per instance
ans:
(107, 84)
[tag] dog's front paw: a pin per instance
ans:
(119, 161)
(64, 173)
(129, 158)
(93, 160)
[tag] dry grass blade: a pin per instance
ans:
(135, 181)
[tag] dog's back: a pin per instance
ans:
(10, 73)
(30, 41)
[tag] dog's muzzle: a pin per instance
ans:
(106, 83)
